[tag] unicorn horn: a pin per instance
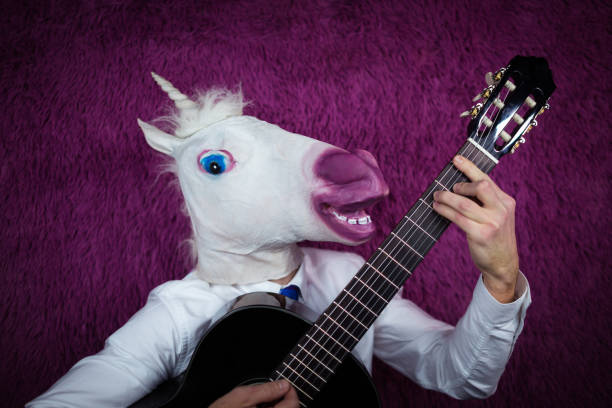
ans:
(181, 100)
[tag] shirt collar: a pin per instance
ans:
(268, 286)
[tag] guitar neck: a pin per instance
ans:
(340, 327)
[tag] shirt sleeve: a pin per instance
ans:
(135, 359)
(465, 361)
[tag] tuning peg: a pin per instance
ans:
(473, 111)
(518, 143)
(533, 124)
(492, 79)
(544, 108)
(485, 93)
(499, 74)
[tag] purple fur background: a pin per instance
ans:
(88, 226)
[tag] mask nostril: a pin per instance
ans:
(341, 167)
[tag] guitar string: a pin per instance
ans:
(383, 261)
(423, 215)
(438, 221)
(338, 325)
(388, 250)
(308, 376)
(426, 213)
(440, 180)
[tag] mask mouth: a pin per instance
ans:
(349, 220)
(348, 184)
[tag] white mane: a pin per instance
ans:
(212, 106)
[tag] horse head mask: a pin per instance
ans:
(253, 190)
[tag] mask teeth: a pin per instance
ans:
(364, 220)
(353, 221)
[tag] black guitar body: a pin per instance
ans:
(245, 345)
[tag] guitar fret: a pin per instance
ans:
(430, 221)
(438, 186)
(360, 302)
(331, 337)
(382, 274)
(480, 149)
(372, 290)
(419, 227)
(326, 350)
(412, 240)
(350, 315)
(396, 260)
(295, 386)
(340, 326)
(307, 367)
(398, 263)
(300, 376)
(425, 202)
(407, 245)
(441, 185)
(317, 360)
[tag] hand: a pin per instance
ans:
(489, 227)
(248, 396)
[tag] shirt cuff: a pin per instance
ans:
(495, 312)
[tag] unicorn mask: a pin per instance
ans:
(253, 190)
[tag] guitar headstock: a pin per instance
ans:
(507, 108)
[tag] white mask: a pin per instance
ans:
(253, 190)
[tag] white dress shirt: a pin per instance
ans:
(158, 341)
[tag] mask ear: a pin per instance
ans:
(158, 139)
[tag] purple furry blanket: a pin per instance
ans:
(88, 226)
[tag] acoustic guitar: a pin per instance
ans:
(246, 345)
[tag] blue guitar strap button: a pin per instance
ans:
(291, 291)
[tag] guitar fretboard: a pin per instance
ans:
(316, 356)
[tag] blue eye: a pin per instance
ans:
(216, 162)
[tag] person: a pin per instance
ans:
(231, 167)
